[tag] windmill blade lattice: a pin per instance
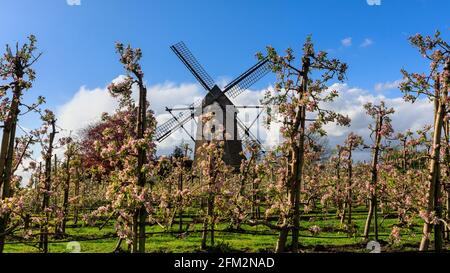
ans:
(186, 56)
(215, 95)
(247, 79)
(170, 126)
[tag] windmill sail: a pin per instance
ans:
(178, 120)
(173, 124)
(164, 130)
(193, 65)
(247, 79)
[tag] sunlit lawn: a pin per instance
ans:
(332, 238)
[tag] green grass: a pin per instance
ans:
(332, 238)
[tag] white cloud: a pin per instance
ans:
(172, 95)
(73, 2)
(346, 41)
(269, 137)
(373, 2)
(351, 101)
(367, 42)
(383, 86)
(222, 81)
(87, 105)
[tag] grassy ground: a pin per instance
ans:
(332, 238)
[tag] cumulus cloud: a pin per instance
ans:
(269, 136)
(86, 106)
(351, 101)
(383, 86)
(346, 41)
(173, 95)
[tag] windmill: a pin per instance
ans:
(223, 123)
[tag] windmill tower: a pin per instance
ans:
(223, 122)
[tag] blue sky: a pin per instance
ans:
(78, 40)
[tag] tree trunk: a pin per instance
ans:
(344, 212)
(6, 186)
(211, 216)
(46, 199)
(38, 187)
(447, 174)
(404, 155)
(77, 192)
(204, 233)
(208, 221)
(349, 191)
(282, 239)
(58, 225)
(141, 213)
(118, 246)
(6, 153)
(180, 200)
(434, 192)
(135, 232)
(294, 199)
(298, 158)
(373, 183)
(340, 205)
(66, 194)
(255, 205)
